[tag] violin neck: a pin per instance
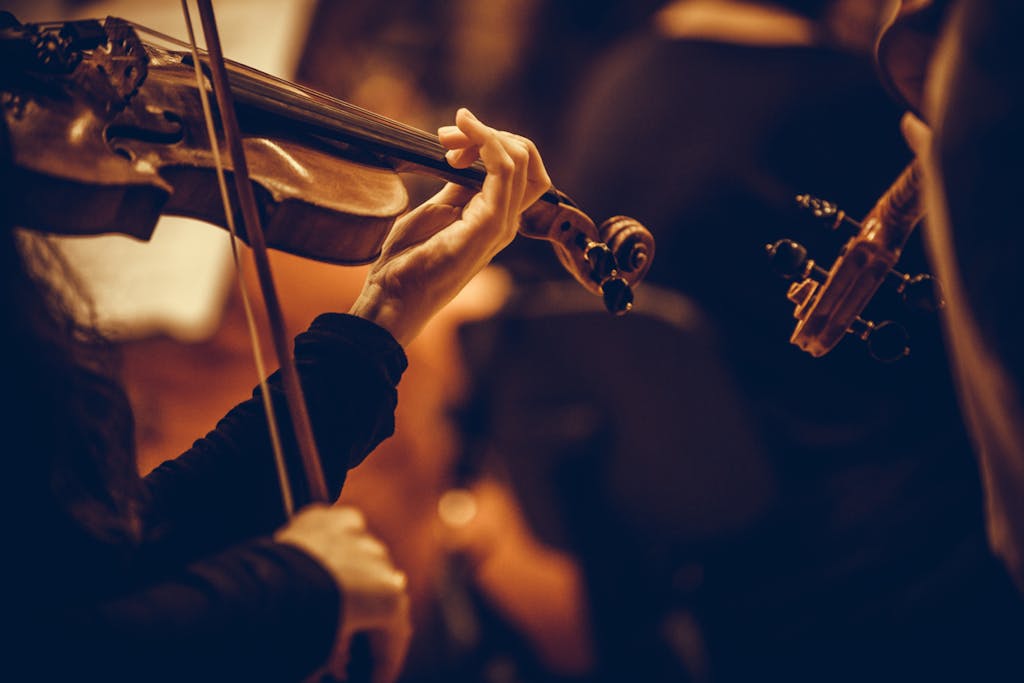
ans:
(400, 147)
(365, 134)
(359, 133)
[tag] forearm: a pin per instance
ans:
(262, 611)
(225, 488)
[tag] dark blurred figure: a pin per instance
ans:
(972, 151)
(518, 61)
(873, 561)
(388, 57)
(617, 464)
(549, 48)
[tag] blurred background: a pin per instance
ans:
(678, 494)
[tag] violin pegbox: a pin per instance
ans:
(790, 261)
(610, 260)
(103, 64)
(41, 50)
(829, 302)
(122, 59)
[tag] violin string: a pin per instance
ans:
(355, 119)
(248, 75)
(352, 118)
(349, 111)
(330, 103)
(335, 115)
(343, 121)
(340, 118)
(250, 319)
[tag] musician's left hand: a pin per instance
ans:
(435, 249)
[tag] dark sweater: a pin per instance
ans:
(206, 595)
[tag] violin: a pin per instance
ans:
(106, 133)
(829, 301)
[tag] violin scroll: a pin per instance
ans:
(609, 260)
(33, 50)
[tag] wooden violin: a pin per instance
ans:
(106, 133)
(829, 302)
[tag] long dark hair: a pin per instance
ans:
(70, 430)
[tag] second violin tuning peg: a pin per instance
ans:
(826, 211)
(922, 293)
(887, 340)
(789, 260)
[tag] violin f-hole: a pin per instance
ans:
(155, 126)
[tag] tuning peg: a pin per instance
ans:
(604, 269)
(602, 261)
(887, 340)
(827, 211)
(617, 294)
(789, 260)
(921, 293)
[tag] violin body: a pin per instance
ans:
(108, 132)
(127, 142)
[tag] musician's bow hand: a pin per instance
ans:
(374, 598)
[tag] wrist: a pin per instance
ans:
(374, 306)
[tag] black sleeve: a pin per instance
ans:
(207, 596)
(258, 612)
(225, 488)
